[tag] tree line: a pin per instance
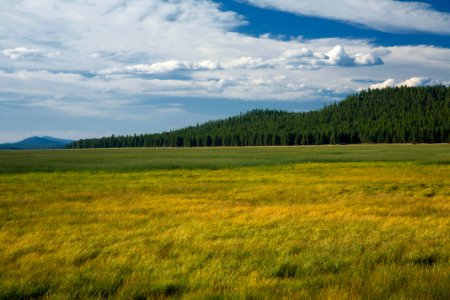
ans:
(391, 115)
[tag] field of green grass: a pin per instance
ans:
(339, 222)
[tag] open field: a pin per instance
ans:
(138, 159)
(367, 221)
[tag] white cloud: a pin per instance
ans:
(290, 59)
(337, 56)
(298, 53)
(411, 82)
(247, 62)
(26, 53)
(367, 59)
(387, 83)
(162, 67)
(415, 81)
(384, 15)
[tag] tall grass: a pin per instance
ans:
(139, 159)
(367, 230)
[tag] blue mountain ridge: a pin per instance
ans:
(36, 142)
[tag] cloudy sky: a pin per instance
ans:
(90, 68)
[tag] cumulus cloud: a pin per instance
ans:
(302, 58)
(162, 67)
(415, 81)
(176, 66)
(27, 53)
(298, 53)
(337, 56)
(387, 83)
(411, 82)
(247, 62)
(384, 15)
(367, 59)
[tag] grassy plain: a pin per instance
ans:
(369, 222)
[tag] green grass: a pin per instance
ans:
(359, 222)
(138, 159)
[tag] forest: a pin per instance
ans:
(391, 115)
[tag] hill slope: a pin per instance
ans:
(392, 115)
(45, 142)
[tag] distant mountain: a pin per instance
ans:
(35, 142)
(57, 140)
(391, 115)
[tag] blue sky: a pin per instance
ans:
(90, 68)
(287, 25)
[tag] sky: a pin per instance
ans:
(90, 68)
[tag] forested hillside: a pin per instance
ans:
(391, 115)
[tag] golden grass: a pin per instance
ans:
(319, 230)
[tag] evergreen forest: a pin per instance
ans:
(391, 115)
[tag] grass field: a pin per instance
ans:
(340, 222)
(138, 159)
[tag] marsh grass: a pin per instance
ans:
(368, 230)
(144, 159)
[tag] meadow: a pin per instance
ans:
(335, 222)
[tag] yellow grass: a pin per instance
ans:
(325, 230)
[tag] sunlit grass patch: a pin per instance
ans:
(327, 230)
